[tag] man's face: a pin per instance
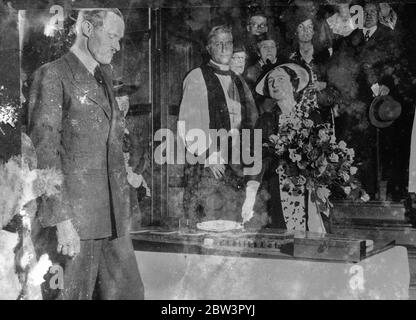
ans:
(268, 50)
(370, 15)
(257, 25)
(238, 62)
(104, 40)
(305, 31)
(220, 48)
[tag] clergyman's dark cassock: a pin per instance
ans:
(208, 198)
(76, 126)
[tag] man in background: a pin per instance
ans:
(371, 48)
(257, 25)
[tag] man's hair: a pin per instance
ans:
(376, 4)
(95, 16)
(256, 14)
(217, 30)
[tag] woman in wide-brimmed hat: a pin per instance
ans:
(289, 85)
(282, 83)
(285, 84)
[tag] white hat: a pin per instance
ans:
(300, 73)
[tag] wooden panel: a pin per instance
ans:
(347, 210)
(378, 221)
(134, 55)
(411, 251)
(178, 57)
(317, 246)
(402, 235)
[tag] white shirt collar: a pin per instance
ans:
(87, 60)
(222, 67)
(372, 30)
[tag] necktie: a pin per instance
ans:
(367, 36)
(98, 75)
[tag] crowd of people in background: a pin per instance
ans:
(348, 47)
(338, 66)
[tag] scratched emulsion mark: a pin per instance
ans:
(201, 270)
(75, 123)
(83, 99)
(296, 289)
(215, 276)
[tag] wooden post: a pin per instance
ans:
(378, 164)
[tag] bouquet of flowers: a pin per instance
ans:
(313, 159)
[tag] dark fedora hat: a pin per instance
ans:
(383, 111)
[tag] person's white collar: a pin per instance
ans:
(223, 67)
(87, 60)
(372, 30)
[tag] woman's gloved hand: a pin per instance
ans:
(247, 211)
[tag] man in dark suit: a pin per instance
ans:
(257, 25)
(372, 48)
(77, 127)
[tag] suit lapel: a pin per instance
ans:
(378, 34)
(116, 115)
(360, 37)
(84, 81)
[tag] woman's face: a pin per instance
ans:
(385, 9)
(279, 85)
(305, 31)
(238, 62)
(268, 50)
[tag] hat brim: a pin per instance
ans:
(301, 73)
(372, 111)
